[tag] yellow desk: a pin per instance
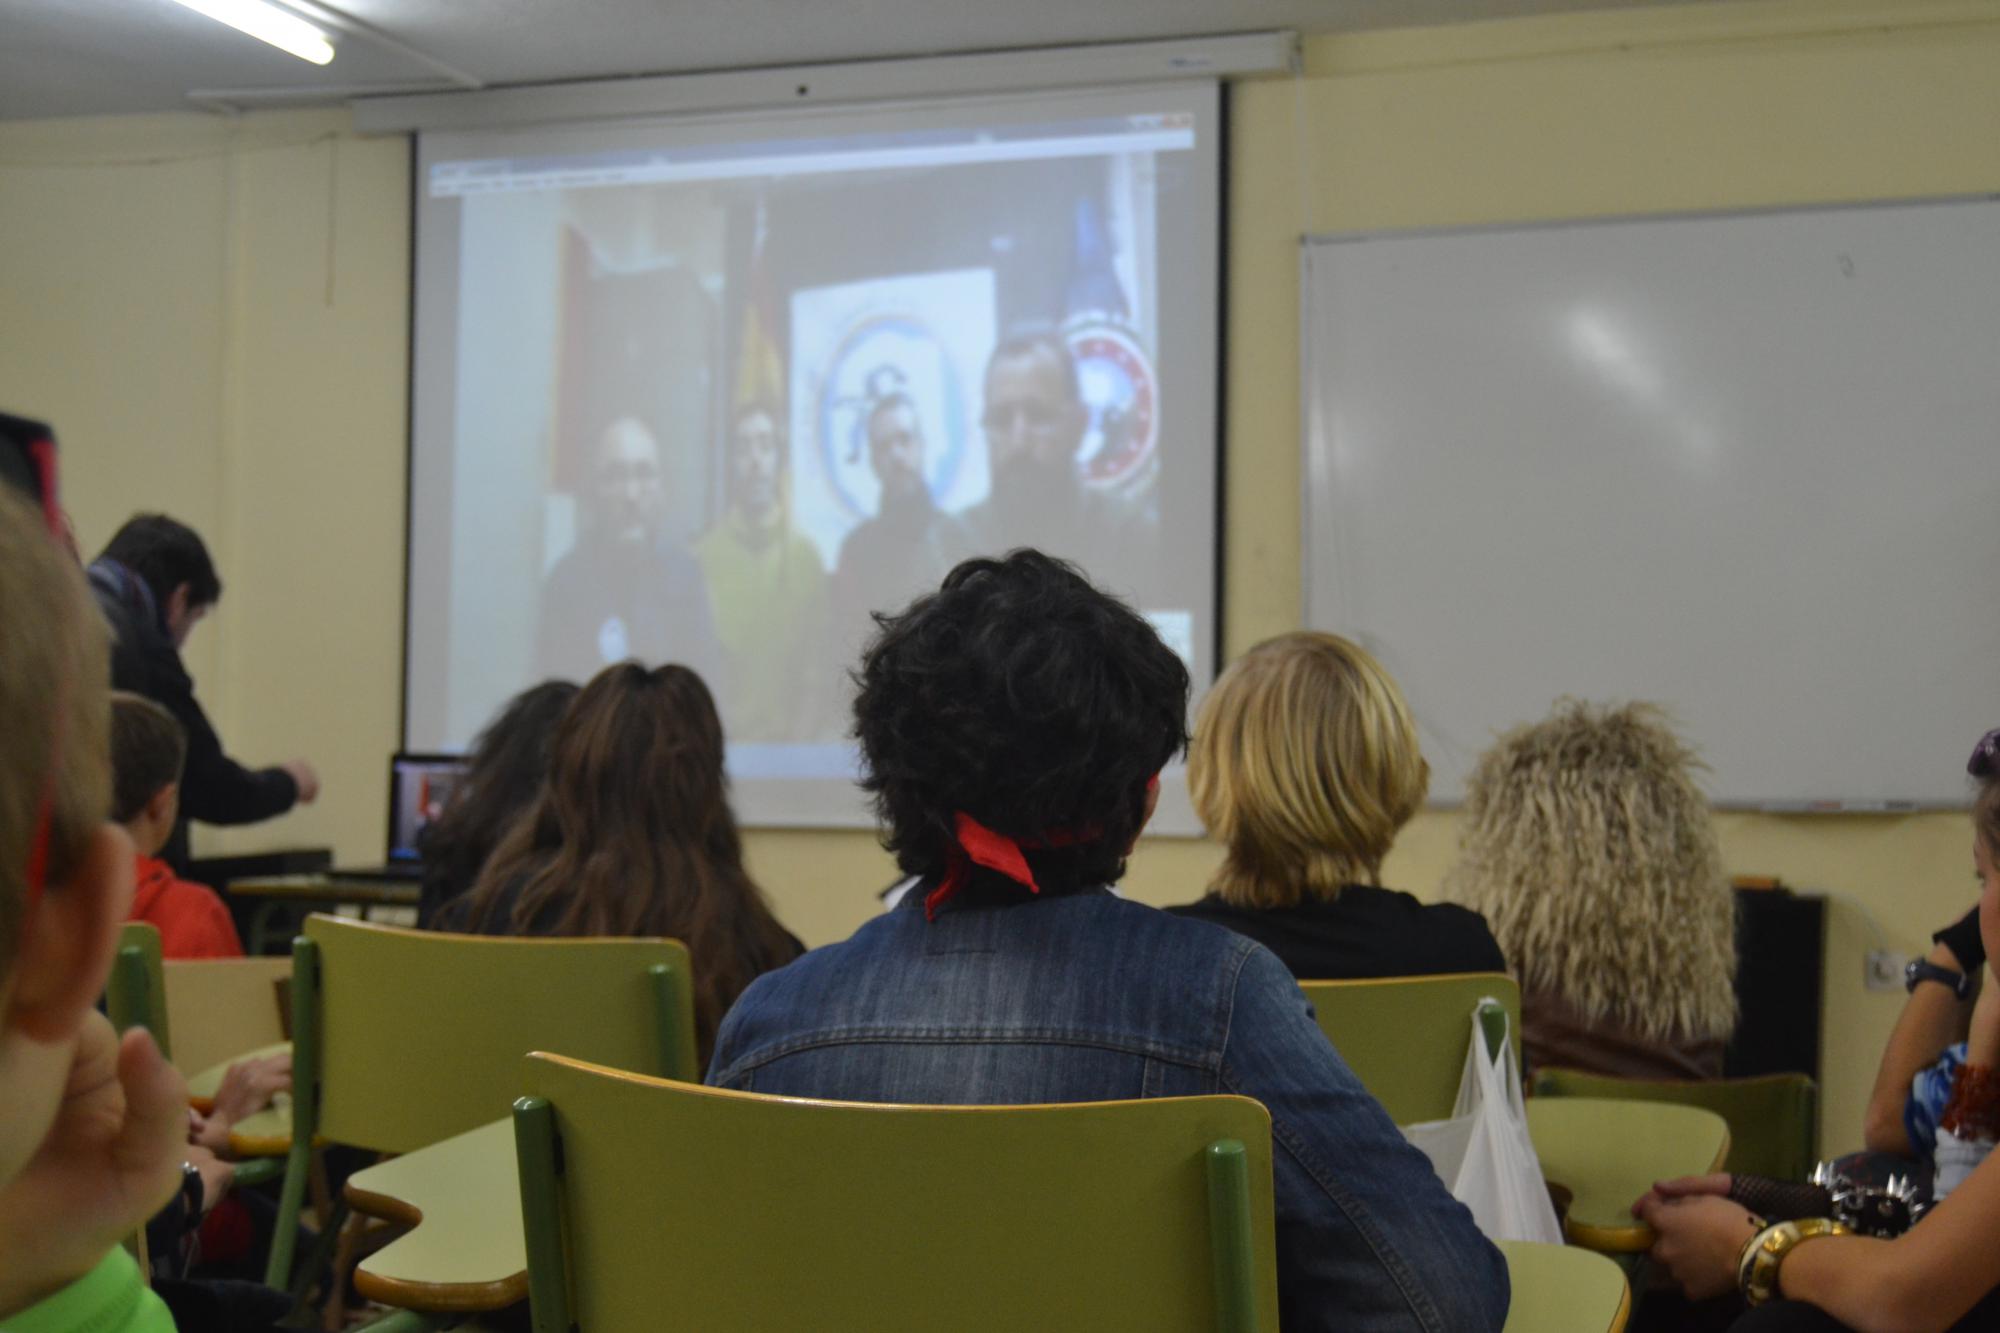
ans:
(1610, 1153)
(1563, 1289)
(276, 893)
(265, 1134)
(462, 1196)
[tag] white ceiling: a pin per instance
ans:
(87, 57)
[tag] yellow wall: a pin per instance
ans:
(213, 315)
(207, 346)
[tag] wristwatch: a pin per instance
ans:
(1922, 969)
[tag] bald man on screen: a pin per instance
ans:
(623, 591)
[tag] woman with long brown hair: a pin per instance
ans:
(633, 835)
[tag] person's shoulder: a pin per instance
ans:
(196, 922)
(1208, 907)
(707, 557)
(1455, 934)
(1187, 936)
(787, 1002)
(803, 552)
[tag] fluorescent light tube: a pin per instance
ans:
(268, 23)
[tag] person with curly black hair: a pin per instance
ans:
(1012, 726)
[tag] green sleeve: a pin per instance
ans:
(108, 1299)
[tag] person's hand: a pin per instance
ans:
(1962, 938)
(246, 1089)
(217, 1176)
(1717, 1183)
(306, 778)
(111, 1160)
(1698, 1239)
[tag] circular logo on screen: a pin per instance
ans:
(1116, 378)
(884, 354)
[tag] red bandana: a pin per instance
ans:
(979, 845)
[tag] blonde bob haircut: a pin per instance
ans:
(1592, 854)
(1305, 765)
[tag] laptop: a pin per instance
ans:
(420, 787)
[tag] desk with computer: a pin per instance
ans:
(270, 893)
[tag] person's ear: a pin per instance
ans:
(1152, 804)
(67, 944)
(166, 802)
(177, 604)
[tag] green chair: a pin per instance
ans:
(648, 1204)
(402, 1038)
(1404, 1037)
(143, 992)
(1609, 1153)
(1562, 1289)
(1773, 1118)
(136, 995)
(221, 1008)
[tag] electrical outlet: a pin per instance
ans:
(1882, 969)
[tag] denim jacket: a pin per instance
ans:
(1086, 997)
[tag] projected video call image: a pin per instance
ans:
(719, 406)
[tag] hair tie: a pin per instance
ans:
(1985, 761)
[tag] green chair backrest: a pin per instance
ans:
(401, 1038)
(219, 1008)
(417, 1036)
(690, 1207)
(1405, 1037)
(1773, 1118)
(136, 995)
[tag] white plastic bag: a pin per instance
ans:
(1483, 1153)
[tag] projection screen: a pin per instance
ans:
(715, 390)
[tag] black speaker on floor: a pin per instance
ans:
(1780, 980)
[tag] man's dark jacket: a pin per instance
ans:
(214, 788)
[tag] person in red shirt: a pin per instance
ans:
(148, 748)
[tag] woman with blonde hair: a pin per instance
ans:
(1305, 765)
(1587, 844)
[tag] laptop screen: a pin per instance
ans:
(420, 786)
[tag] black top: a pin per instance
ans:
(1363, 932)
(214, 788)
(605, 603)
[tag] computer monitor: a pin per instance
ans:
(420, 787)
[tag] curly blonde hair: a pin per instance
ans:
(1590, 850)
(1305, 764)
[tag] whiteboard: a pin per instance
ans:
(1746, 466)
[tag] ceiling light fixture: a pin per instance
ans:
(269, 23)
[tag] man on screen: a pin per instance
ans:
(908, 543)
(1035, 419)
(769, 590)
(622, 592)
